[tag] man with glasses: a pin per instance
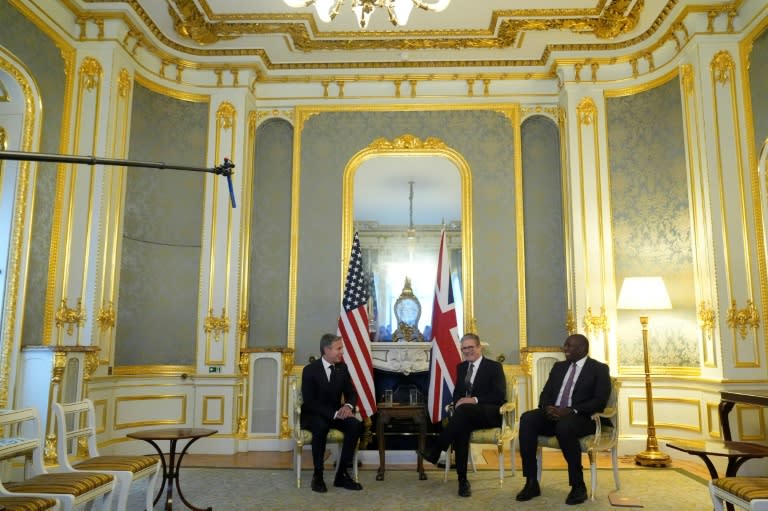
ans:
(480, 391)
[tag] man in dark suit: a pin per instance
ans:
(323, 382)
(480, 391)
(576, 388)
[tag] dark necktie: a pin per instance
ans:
(468, 380)
(332, 378)
(568, 386)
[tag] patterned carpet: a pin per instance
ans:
(235, 489)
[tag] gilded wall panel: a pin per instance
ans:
(44, 61)
(545, 274)
(270, 235)
(330, 139)
(758, 85)
(160, 263)
(651, 221)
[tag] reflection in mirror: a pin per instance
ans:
(401, 203)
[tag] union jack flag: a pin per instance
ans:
(353, 328)
(445, 355)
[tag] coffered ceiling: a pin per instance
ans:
(470, 35)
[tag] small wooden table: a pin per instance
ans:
(171, 469)
(728, 398)
(736, 452)
(416, 413)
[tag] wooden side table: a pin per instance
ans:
(416, 413)
(171, 468)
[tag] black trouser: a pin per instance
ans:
(568, 430)
(319, 426)
(466, 419)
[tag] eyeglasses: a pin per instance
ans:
(468, 348)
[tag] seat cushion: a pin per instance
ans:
(745, 488)
(26, 503)
(486, 436)
(72, 483)
(334, 436)
(606, 434)
(123, 463)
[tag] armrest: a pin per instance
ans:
(508, 413)
(296, 394)
(608, 413)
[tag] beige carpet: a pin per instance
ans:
(237, 489)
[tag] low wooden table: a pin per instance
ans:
(728, 398)
(416, 413)
(736, 452)
(171, 469)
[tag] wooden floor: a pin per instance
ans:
(283, 460)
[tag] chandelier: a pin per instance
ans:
(398, 10)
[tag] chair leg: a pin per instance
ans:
(471, 458)
(297, 465)
(512, 455)
(538, 463)
(354, 466)
(151, 485)
(500, 448)
(447, 464)
(615, 461)
(592, 472)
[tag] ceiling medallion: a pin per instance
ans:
(398, 10)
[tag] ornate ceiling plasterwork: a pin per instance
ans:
(487, 37)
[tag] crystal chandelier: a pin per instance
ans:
(398, 10)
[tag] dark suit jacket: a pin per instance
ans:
(591, 391)
(321, 397)
(490, 386)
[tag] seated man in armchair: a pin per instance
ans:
(323, 382)
(480, 391)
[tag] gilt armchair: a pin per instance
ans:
(303, 437)
(501, 436)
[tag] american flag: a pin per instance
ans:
(353, 328)
(445, 355)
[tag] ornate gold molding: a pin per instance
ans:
(225, 115)
(217, 325)
(91, 364)
(586, 111)
(740, 319)
(123, 83)
(106, 316)
(90, 73)
(407, 141)
(722, 67)
(594, 323)
(570, 322)
(70, 317)
(706, 317)
(189, 22)
(3, 134)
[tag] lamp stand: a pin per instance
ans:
(651, 456)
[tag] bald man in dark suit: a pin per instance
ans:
(476, 400)
(565, 408)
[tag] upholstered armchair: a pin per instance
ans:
(746, 492)
(605, 439)
(500, 436)
(303, 437)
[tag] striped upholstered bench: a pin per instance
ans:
(28, 504)
(743, 491)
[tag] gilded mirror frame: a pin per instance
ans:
(410, 145)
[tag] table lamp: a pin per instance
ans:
(644, 294)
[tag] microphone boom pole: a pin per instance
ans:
(225, 169)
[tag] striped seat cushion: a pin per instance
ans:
(334, 436)
(26, 503)
(123, 463)
(745, 488)
(72, 483)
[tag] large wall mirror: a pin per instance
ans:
(399, 195)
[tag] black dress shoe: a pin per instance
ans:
(431, 456)
(343, 480)
(465, 489)
(577, 495)
(318, 484)
(529, 491)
